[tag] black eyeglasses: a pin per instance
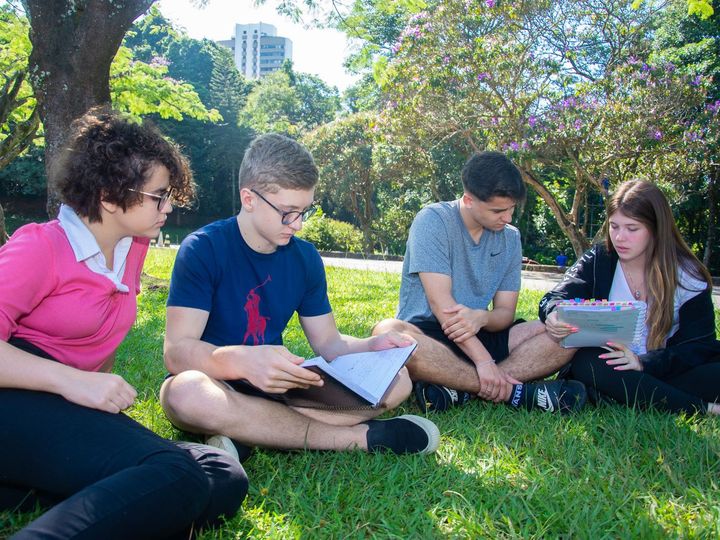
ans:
(286, 218)
(162, 199)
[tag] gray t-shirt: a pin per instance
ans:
(440, 243)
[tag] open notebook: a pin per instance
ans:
(351, 381)
(600, 321)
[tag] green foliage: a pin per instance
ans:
(332, 235)
(141, 89)
(564, 87)
(290, 103)
(701, 8)
(24, 176)
(216, 145)
(343, 151)
(18, 116)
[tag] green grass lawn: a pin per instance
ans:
(608, 472)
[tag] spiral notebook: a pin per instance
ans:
(600, 321)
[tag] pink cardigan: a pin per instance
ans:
(55, 302)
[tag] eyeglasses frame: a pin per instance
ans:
(304, 215)
(161, 199)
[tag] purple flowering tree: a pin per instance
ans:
(559, 86)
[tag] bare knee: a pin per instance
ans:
(184, 397)
(401, 388)
(393, 325)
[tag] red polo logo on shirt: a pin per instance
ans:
(256, 323)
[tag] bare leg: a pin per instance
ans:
(433, 361)
(533, 354)
(196, 403)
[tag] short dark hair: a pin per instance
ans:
(492, 174)
(107, 155)
(275, 160)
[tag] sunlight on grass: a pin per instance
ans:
(609, 472)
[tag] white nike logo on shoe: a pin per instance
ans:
(544, 401)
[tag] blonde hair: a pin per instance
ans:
(667, 252)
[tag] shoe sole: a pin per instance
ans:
(223, 443)
(430, 429)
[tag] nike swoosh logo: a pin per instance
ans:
(544, 401)
(495, 254)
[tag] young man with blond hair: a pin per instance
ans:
(235, 285)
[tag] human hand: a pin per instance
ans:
(274, 369)
(556, 329)
(495, 385)
(622, 358)
(98, 390)
(463, 322)
(389, 340)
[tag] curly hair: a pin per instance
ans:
(107, 155)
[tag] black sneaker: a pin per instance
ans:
(406, 434)
(435, 397)
(564, 396)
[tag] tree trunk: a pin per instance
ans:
(578, 241)
(74, 43)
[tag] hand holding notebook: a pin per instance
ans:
(601, 321)
(351, 381)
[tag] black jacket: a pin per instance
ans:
(694, 342)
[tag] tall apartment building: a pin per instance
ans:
(258, 49)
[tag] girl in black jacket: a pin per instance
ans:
(644, 258)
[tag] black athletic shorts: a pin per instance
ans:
(496, 343)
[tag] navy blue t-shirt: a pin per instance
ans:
(250, 296)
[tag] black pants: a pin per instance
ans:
(687, 392)
(105, 475)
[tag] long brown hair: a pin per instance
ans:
(667, 252)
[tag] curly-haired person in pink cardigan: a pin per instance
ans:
(68, 297)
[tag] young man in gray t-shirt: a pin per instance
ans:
(461, 257)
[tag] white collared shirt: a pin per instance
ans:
(87, 249)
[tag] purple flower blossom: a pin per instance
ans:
(645, 67)
(713, 107)
(514, 146)
(532, 121)
(490, 3)
(158, 61)
(696, 81)
(656, 134)
(577, 124)
(692, 136)
(482, 76)
(446, 60)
